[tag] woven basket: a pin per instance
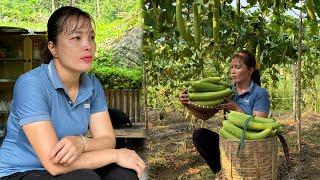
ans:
(259, 159)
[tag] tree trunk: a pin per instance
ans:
(298, 86)
(97, 9)
(53, 8)
(238, 8)
(215, 20)
(72, 2)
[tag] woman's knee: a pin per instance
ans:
(203, 135)
(198, 132)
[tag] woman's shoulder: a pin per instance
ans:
(91, 81)
(33, 76)
(92, 78)
(260, 90)
(257, 87)
(32, 83)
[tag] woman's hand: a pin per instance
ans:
(184, 98)
(229, 105)
(67, 150)
(130, 159)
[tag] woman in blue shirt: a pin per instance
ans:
(53, 108)
(248, 98)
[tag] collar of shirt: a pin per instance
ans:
(54, 77)
(56, 81)
(85, 87)
(251, 86)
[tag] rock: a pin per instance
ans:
(128, 50)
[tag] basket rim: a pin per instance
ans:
(247, 140)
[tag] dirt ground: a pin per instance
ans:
(170, 154)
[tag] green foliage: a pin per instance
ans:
(103, 58)
(119, 78)
(115, 18)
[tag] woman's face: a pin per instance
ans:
(75, 47)
(239, 71)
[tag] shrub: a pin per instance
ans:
(119, 78)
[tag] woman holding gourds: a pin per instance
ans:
(248, 97)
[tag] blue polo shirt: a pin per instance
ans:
(255, 99)
(39, 95)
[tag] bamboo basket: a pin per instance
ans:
(258, 160)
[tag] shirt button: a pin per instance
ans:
(70, 102)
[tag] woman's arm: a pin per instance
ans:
(43, 138)
(233, 106)
(260, 114)
(101, 131)
(261, 105)
(70, 147)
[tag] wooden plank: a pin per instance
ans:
(136, 131)
(6, 84)
(130, 133)
(136, 104)
(131, 110)
(125, 101)
(112, 98)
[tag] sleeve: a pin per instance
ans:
(262, 101)
(30, 103)
(98, 103)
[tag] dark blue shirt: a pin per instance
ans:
(39, 95)
(255, 99)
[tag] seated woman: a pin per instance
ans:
(248, 98)
(53, 108)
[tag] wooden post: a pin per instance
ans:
(139, 105)
(27, 53)
(136, 107)
(145, 93)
